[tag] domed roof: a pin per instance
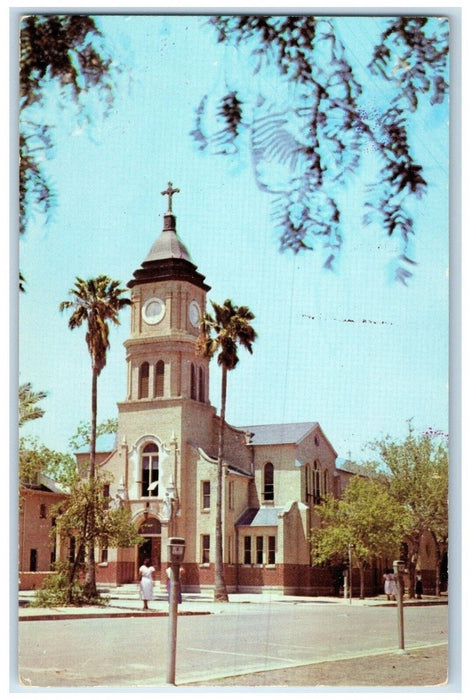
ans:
(168, 258)
(168, 245)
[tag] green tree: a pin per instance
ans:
(367, 519)
(307, 122)
(84, 430)
(221, 334)
(28, 400)
(35, 458)
(64, 64)
(417, 473)
(110, 526)
(94, 302)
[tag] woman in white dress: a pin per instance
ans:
(146, 582)
(390, 587)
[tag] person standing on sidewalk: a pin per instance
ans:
(146, 582)
(390, 584)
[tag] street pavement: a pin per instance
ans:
(123, 602)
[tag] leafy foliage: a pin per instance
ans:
(35, 458)
(95, 302)
(366, 517)
(111, 525)
(84, 430)
(60, 589)
(64, 63)
(417, 472)
(221, 333)
(28, 400)
(305, 121)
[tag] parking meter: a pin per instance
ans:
(399, 568)
(176, 552)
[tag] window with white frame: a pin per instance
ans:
(150, 470)
(259, 549)
(205, 543)
(247, 549)
(271, 549)
(205, 495)
(268, 482)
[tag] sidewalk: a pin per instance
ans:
(123, 601)
(419, 669)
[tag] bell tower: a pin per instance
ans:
(168, 296)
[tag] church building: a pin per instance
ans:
(162, 462)
(163, 465)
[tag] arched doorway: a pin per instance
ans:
(150, 548)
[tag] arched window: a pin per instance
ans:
(144, 380)
(193, 382)
(201, 384)
(150, 470)
(326, 482)
(317, 483)
(159, 379)
(268, 482)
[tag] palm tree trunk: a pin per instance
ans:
(220, 591)
(90, 576)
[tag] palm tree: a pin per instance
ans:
(28, 400)
(94, 302)
(221, 334)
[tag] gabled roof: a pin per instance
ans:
(259, 517)
(279, 433)
(346, 465)
(45, 483)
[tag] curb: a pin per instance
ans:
(100, 616)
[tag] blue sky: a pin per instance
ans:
(351, 349)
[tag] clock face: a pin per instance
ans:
(194, 313)
(153, 311)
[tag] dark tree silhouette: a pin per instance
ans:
(305, 124)
(66, 52)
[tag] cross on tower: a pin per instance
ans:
(170, 191)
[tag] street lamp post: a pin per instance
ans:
(176, 552)
(399, 567)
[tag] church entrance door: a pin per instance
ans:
(150, 548)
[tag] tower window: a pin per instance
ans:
(159, 379)
(150, 470)
(268, 483)
(144, 380)
(193, 382)
(201, 384)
